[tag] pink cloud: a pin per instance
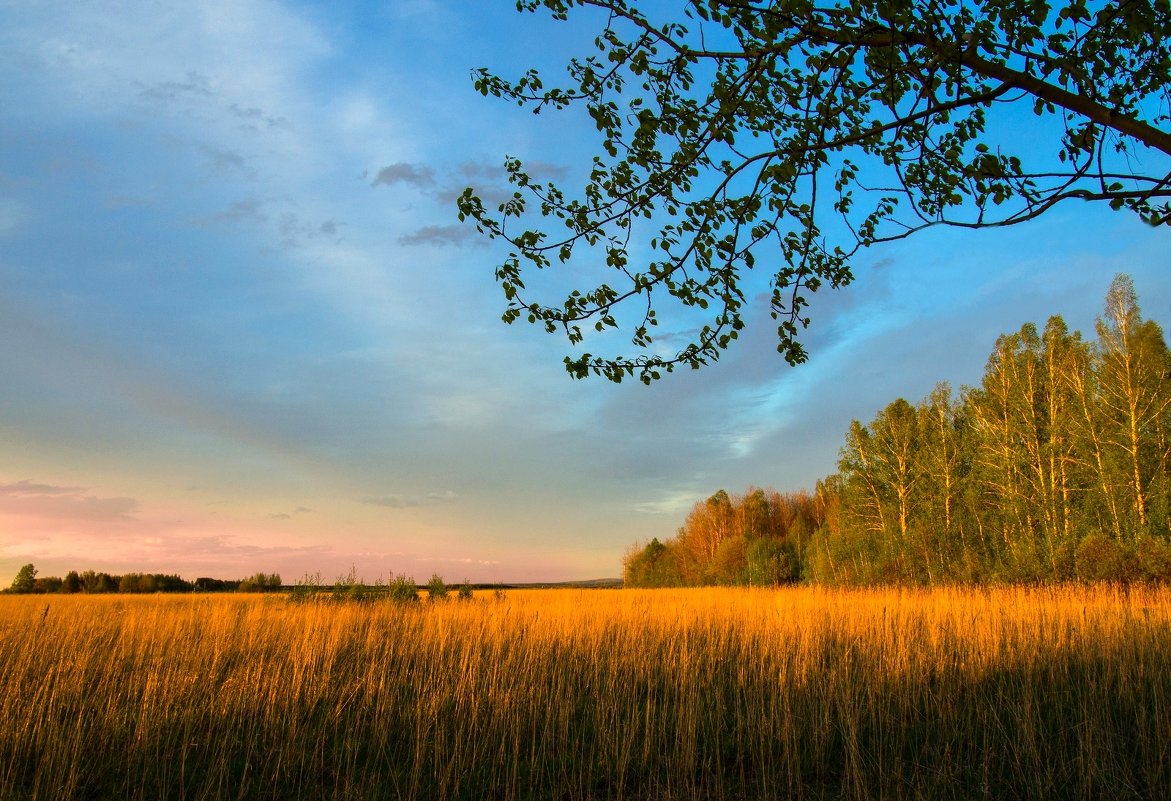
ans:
(28, 499)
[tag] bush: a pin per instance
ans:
(402, 590)
(349, 588)
(771, 561)
(1152, 556)
(306, 588)
(436, 588)
(465, 591)
(1102, 558)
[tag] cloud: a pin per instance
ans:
(403, 173)
(215, 550)
(251, 116)
(63, 503)
(393, 501)
(439, 235)
(167, 91)
(672, 501)
(490, 180)
(293, 230)
(240, 212)
(537, 170)
(222, 160)
(296, 232)
(28, 488)
(300, 510)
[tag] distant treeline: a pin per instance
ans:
(1057, 467)
(93, 582)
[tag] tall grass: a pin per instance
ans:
(566, 694)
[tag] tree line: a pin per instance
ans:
(95, 582)
(1056, 467)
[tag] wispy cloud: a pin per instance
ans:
(394, 501)
(26, 487)
(62, 503)
(440, 235)
(296, 232)
(670, 501)
(536, 169)
(404, 173)
(248, 211)
(225, 160)
(168, 91)
(300, 510)
(253, 118)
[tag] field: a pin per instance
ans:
(583, 694)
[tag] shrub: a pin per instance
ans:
(771, 561)
(349, 588)
(436, 588)
(402, 590)
(1102, 558)
(1152, 556)
(306, 588)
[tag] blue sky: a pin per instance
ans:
(243, 329)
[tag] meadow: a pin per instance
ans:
(800, 693)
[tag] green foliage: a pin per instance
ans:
(49, 584)
(152, 582)
(732, 135)
(755, 538)
(207, 584)
(652, 566)
(1152, 556)
(26, 578)
(260, 582)
(771, 562)
(465, 591)
(72, 582)
(93, 582)
(1056, 467)
(349, 587)
(436, 588)
(137, 583)
(1101, 558)
(306, 588)
(729, 566)
(401, 589)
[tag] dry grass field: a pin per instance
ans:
(571, 694)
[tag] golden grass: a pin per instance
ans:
(655, 694)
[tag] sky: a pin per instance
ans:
(244, 331)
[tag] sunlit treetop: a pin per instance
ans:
(789, 135)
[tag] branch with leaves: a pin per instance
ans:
(796, 133)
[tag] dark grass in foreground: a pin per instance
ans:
(579, 694)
